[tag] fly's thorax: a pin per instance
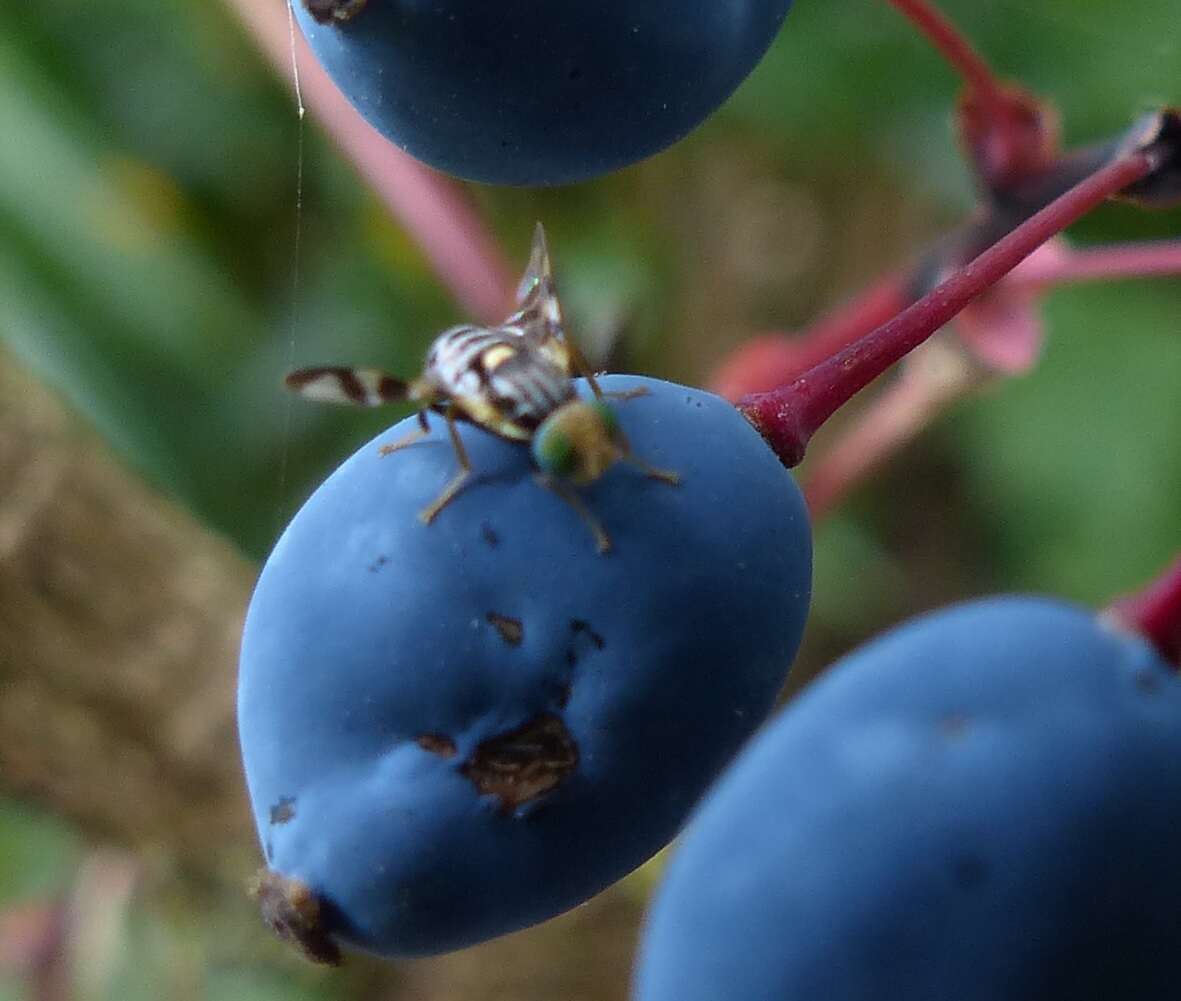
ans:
(451, 362)
(579, 442)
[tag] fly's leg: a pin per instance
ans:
(570, 496)
(427, 514)
(628, 394)
(652, 472)
(582, 367)
(416, 435)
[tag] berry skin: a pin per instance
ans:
(452, 731)
(534, 92)
(982, 804)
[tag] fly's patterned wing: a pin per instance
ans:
(358, 387)
(538, 318)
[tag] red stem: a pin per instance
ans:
(788, 416)
(773, 359)
(435, 211)
(1155, 613)
(1009, 133)
(956, 49)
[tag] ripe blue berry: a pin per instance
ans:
(982, 804)
(536, 92)
(455, 730)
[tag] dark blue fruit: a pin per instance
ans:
(455, 730)
(537, 91)
(983, 804)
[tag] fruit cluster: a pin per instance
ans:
(455, 729)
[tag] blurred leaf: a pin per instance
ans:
(1076, 469)
(37, 853)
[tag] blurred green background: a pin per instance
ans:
(148, 235)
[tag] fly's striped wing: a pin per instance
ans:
(358, 387)
(538, 318)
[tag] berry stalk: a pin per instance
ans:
(1155, 613)
(1009, 133)
(955, 48)
(787, 417)
(770, 360)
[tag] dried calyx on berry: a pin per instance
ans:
(1159, 133)
(334, 11)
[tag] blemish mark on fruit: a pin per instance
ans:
(578, 626)
(292, 911)
(511, 630)
(378, 563)
(525, 764)
(334, 11)
(564, 693)
(283, 811)
(970, 872)
(1147, 681)
(579, 629)
(953, 725)
(436, 743)
(488, 534)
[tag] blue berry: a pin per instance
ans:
(982, 804)
(455, 730)
(532, 91)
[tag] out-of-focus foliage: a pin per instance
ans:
(149, 269)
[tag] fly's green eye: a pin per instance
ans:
(553, 451)
(606, 414)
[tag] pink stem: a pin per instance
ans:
(895, 417)
(462, 251)
(1127, 260)
(1155, 613)
(774, 359)
(956, 49)
(788, 416)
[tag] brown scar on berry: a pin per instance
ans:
(511, 630)
(953, 725)
(334, 11)
(292, 911)
(436, 743)
(525, 764)
(284, 810)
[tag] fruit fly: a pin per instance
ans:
(515, 381)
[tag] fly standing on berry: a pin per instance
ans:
(513, 380)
